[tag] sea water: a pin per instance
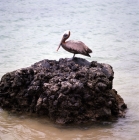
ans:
(31, 30)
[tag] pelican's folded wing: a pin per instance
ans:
(77, 47)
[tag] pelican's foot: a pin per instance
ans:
(70, 59)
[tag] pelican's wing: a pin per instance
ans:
(77, 47)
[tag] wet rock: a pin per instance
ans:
(67, 91)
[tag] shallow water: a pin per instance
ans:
(31, 31)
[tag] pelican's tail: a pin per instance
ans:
(89, 50)
(88, 55)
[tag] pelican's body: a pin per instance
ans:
(75, 47)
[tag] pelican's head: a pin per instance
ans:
(66, 34)
(64, 37)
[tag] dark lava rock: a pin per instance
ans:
(67, 91)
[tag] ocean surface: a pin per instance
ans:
(31, 30)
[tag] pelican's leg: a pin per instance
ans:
(69, 59)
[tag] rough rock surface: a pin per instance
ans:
(67, 91)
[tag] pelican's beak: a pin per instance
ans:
(60, 44)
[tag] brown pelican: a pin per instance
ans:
(75, 47)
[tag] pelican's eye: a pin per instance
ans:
(65, 35)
